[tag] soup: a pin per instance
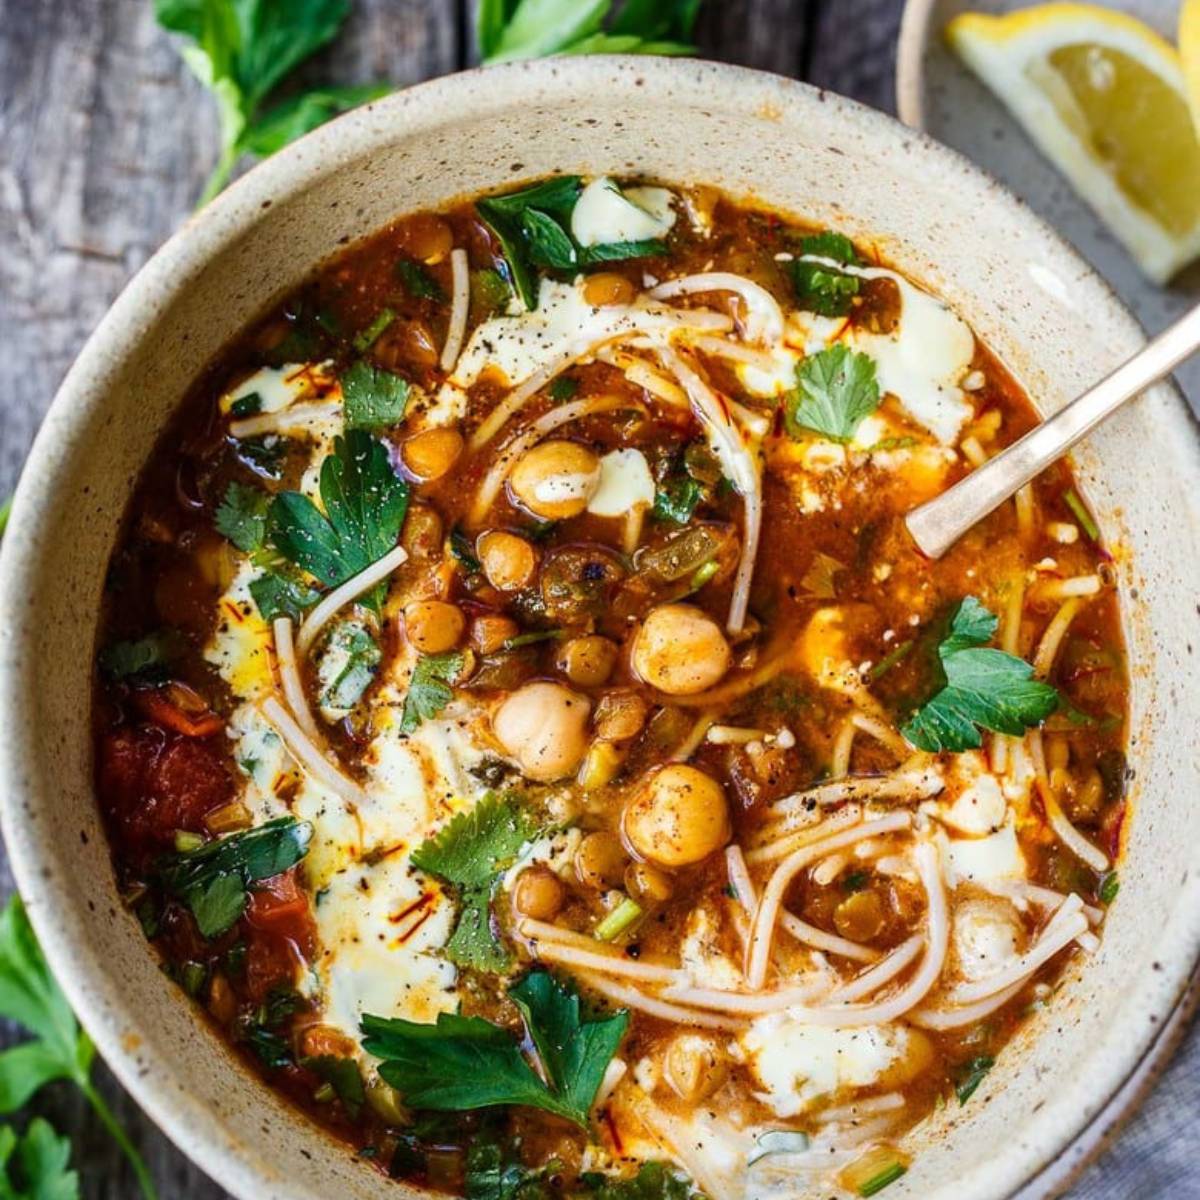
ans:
(526, 730)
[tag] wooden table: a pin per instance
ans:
(105, 139)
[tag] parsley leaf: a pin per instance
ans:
(516, 29)
(418, 282)
(372, 398)
(213, 881)
(242, 517)
(471, 853)
(59, 1050)
(654, 1181)
(279, 595)
(835, 389)
(241, 50)
(676, 500)
(465, 1063)
(820, 288)
(41, 1161)
(983, 687)
(365, 502)
(428, 692)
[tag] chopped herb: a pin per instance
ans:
(5, 513)
(777, 1141)
(213, 881)
(364, 340)
(1110, 885)
(533, 637)
(984, 687)
(365, 502)
(820, 580)
(563, 388)
(653, 1181)
(1085, 518)
(242, 517)
(360, 655)
(489, 291)
(265, 456)
(887, 1176)
(277, 594)
(971, 1076)
(892, 443)
(342, 1077)
(463, 550)
(465, 1063)
(702, 575)
(146, 660)
(892, 659)
(372, 397)
(493, 1174)
(246, 406)
(676, 500)
(428, 692)
(418, 282)
(471, 853)
(820, 288)
(191, 977)
(835, 389)
(623, 251)
(618, 920)
(854, 881)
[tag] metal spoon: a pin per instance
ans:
(938, 524)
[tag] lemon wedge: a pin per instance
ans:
(1104, 98)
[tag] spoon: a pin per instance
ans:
(938, 524)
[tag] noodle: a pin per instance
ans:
(459, 307)
(343, 594)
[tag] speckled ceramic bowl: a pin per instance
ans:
(830, 161)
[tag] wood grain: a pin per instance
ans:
(105, 140)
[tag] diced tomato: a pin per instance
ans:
(279, 907)
(153, 782)
(177, 707)
(271, 962)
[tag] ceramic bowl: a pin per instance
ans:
(814, 155)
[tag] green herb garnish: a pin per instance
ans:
(373, 398)
(892, 659)
(465, 1063)
(34, 1166)
(365, 502)
(1085, 518)
(835, 389)
(59, 1049)
(984, 687)
(563, 388)
(360, 655)
(677, 499)
(365, 339)
(618, 920)
(877, 1183)
(242, 517)
(279, 595)
(343, 1078)
(471, 853)
(418, 282)
(820, 288)
(246, 406)
(971, 1076)
(428, 690)
(214, 881)
(242, 50)
(146, 660)
(1110, 885)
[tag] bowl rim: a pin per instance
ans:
(911, 47)
(156, 1082)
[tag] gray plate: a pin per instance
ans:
(937, 94)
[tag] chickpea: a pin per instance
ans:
(428, 238)
(555, 480)
(538, 893)
(544, 727)
(648, 885)
(429, 455)
(607, 287)
(620, 715)
(859, 917)
(695, 1065)
(680, 817)
(680, 650)
(489, 632)
(508, 561)
(587, 661)
(433, 626)
(600, 861)
(422, 535)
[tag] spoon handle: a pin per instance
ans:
(938, 524)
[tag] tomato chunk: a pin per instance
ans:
(154, 782)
